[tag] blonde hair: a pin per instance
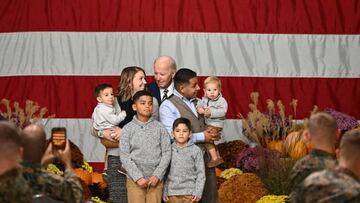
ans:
(125, 86)
(213, 79)
(322, 124)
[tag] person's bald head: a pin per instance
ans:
(322, 127)
(34, 143)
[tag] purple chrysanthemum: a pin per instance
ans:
(250, 159)
(343, 121)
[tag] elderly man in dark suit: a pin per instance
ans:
(164, 71)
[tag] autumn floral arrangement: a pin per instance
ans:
(252, 159)
(276, 142)
(265, 127)
(21, 117)
(271, 129)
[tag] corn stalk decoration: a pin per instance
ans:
(21, 117)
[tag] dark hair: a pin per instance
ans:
(183, 76)
(140, 93)
(100, 88)
(182, 120)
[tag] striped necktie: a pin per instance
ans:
(165, 95)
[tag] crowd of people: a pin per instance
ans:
(159, 141)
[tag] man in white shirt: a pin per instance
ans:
(182, 104)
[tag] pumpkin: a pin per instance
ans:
(97, 178)
(299, 150)
(277, 145)
(218, 172)
(83, 175)
(291, 140)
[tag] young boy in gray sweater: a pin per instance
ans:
(145, 152)
(186, 179)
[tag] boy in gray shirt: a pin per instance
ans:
(186, 178)
(145, 152)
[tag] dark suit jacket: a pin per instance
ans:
(155, 91)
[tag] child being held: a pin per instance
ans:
(214, 107)
(105, 115)
(186, 179)
(145, 152)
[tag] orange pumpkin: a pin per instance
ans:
(299, 151)
(218, 172)
(291, 140)
(97, 178)
(277, 145)
(83, 175)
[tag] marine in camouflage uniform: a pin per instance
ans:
(66, 188)
(331, 185)
(14, 188)
(317, 160)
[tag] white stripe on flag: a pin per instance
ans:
(106, 53)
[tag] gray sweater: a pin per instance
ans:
(218, 108)
(187, 171)
(106, 116)
(145, 149)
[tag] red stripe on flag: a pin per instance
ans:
(72, 96)
(245, 16)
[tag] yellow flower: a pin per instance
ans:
(228, 173)
(87, 167)
(55, 170)
(273, 199)
(97, 199)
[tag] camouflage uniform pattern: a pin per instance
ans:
(13, 187)
(317, 160)
(331, 185)
(66, 188)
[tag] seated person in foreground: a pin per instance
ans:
(36, 158)
(13, 186)
(339, 184)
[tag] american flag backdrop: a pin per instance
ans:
(55, 52)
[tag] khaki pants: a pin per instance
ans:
(137, 194)
(180, 199)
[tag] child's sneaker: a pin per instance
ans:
(214, 163)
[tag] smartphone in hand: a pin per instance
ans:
(58, 137)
